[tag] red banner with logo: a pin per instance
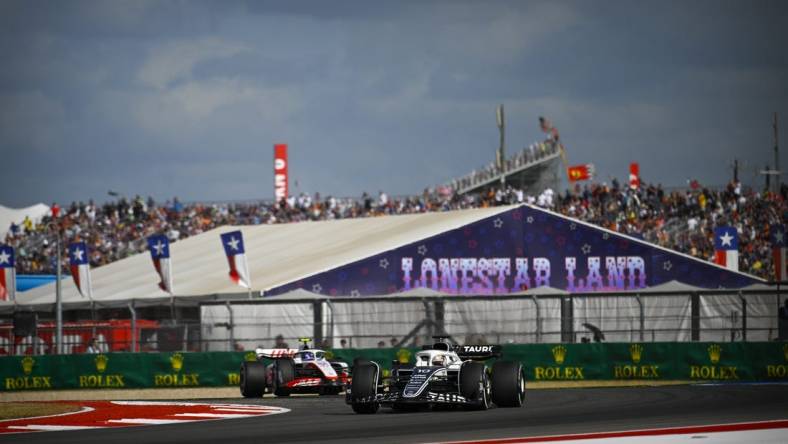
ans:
(634, 175)
(580, 172)
(280, 171)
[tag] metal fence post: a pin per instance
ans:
(695, 316)
(230, 327)
(538, 320)
(642, 316)
(743, 317)
(133, 327)
(440, 322)
(567, 319)
(317, 324)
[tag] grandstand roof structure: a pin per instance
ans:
(276, 254)
(499, 250)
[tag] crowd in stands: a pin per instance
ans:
(680, 220)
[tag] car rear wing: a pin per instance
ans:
(478, 352)
(275, 353)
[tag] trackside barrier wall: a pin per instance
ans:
(714, 361)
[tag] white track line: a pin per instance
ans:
(83, 410)
(215, 415)
(150, 421)
(52, 428)
(247, 410)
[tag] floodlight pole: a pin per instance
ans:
(501, 157)
(777, 182)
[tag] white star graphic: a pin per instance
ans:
(586, 248)
(233, 243)
(317, 288)
(498, 223)
(78, 253)
(5, 258)
(726, 239)
(422, 250)
(159, 247)
(529, 219)
(384, 263)
(667, 265)
(778, 237)
(355, 293)
(605, 236)
(573, 226)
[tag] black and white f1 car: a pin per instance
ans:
(443, 374)
(304, 370)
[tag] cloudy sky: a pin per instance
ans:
(186, 98)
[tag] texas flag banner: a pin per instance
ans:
(7, 274)
(80, 268)
(779, 252)
(159, 247)
(236, 256)
(726, 247)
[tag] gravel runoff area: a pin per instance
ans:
(233, 392)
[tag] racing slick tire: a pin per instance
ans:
(475, 385)
(283, 372)
(508, 384)
(252, 376)
(364, 387)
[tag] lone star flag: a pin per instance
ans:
(7, 274)
(780, 252)
(726, 247)
(159, 247)
(236, 256)
(80, 268)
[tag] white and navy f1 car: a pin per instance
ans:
(443, 374)
(304, 370)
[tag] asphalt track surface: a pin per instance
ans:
(547, 412)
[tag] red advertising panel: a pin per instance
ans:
(280, 171)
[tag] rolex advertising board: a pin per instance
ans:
(706, 361)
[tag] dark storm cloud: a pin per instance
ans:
(186, 98)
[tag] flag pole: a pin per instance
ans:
(58, 298)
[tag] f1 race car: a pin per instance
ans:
(304, 370)
(443, 374)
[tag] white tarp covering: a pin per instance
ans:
(277, 255)
(17, 215)
(255, 324)
(364, 323)
(490, 320)
(721, 317)
(666, 318)
(617, 316)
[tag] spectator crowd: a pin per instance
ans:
(680, 220)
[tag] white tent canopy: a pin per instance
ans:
(277, 255)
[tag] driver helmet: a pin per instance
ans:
(439, 360)
(308, 356)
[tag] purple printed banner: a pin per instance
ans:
(513, 251)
